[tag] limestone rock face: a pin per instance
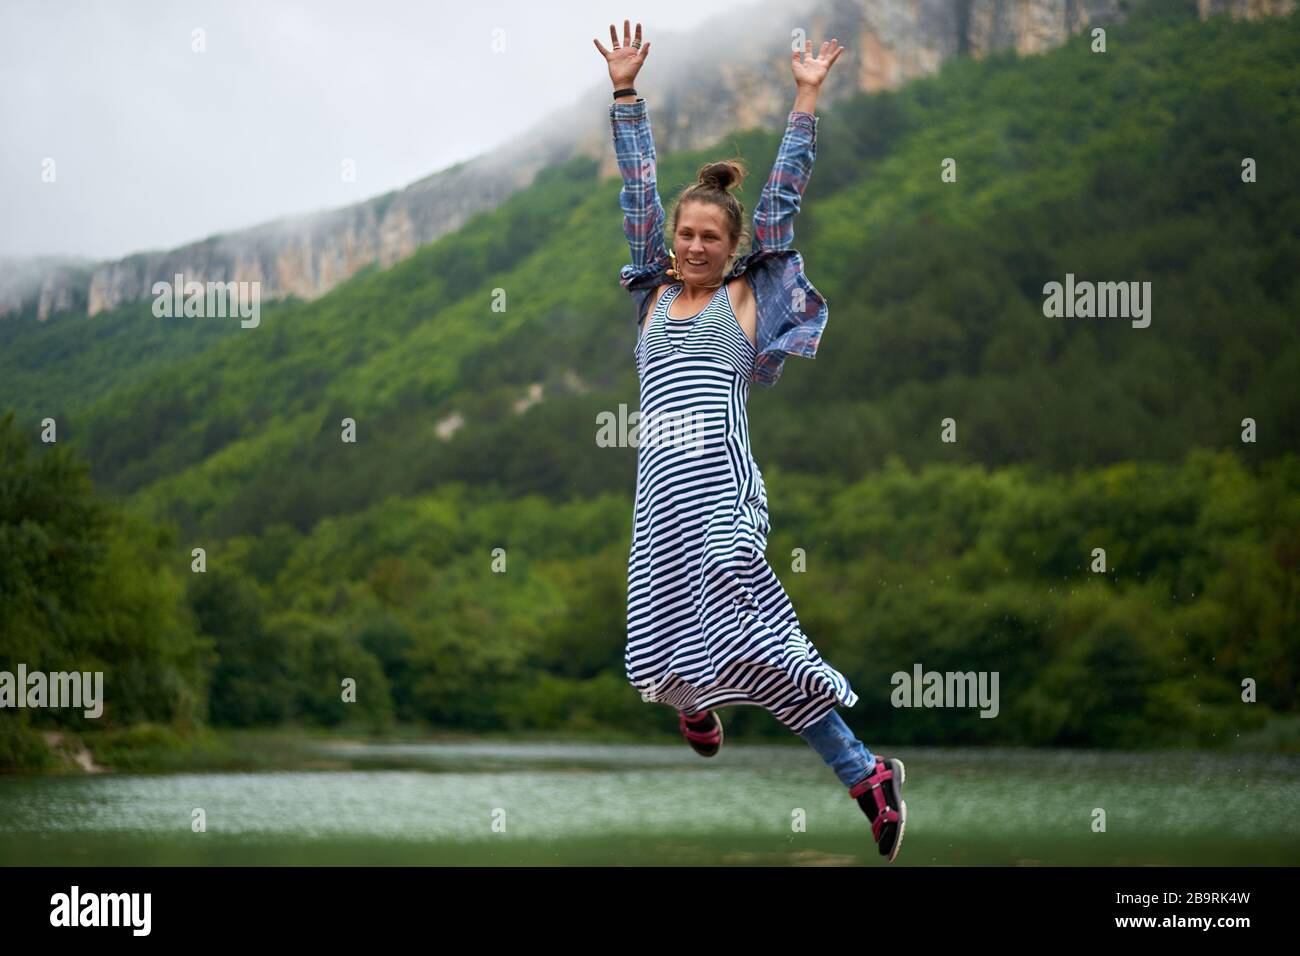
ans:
(1033, 26)
(704, 85)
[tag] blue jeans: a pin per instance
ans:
(844, 752)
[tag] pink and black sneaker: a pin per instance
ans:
(702, 731)
(879, 796)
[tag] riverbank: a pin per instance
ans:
(154, 748)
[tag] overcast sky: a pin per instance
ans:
(155, 145)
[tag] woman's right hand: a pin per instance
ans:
(625, 60)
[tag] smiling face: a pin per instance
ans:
(703, 243)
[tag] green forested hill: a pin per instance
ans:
(374, 557)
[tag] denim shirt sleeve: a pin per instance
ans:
(791, 312)
(643, 213)
(778, 204)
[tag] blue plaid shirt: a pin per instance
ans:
(791, 312)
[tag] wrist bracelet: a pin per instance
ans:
(630, 91)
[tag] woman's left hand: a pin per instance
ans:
(812, 70)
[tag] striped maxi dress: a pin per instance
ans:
(708, 622)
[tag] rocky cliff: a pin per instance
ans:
(730, 87)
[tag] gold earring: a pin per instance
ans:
(672, 270)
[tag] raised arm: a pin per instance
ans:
(643, 212)
(778, 204)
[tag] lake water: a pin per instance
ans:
(481, 803)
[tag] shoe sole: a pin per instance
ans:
(721, 738)
(902, 828)
(902, 808)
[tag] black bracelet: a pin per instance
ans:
(630, 91)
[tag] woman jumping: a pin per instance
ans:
(708, 622)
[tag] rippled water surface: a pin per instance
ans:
(536, 803)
